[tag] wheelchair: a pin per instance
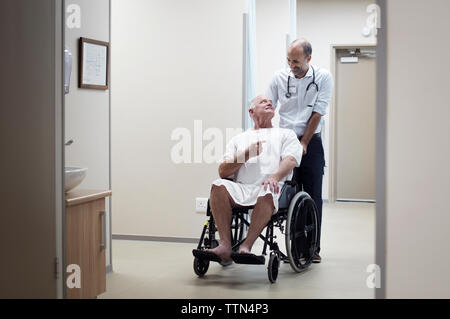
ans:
(297, 220)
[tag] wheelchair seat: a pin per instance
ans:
(288, 191)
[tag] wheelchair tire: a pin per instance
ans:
(200, 266)
(301, 231)
(272, 267)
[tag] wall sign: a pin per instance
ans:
(94, 64)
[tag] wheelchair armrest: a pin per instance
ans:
(291, 183)
(290, 188)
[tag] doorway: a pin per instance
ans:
(355, 120)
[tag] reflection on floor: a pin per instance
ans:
(164, 270)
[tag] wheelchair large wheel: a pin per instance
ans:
(301, 231)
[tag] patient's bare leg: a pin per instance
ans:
(260, 217)
(220, 201)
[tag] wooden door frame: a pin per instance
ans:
(332, 184)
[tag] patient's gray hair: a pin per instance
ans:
(253, 103)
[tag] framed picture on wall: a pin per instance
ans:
(94, 64)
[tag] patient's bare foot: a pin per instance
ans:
(244, 249)
(223, 251)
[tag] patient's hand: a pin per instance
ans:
(272, 182)
(254, 149)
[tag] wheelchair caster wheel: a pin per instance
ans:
(200, 266)
(272, 268)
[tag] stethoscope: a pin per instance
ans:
(313, 83)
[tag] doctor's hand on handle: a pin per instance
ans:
(313, 123)
(304, 146)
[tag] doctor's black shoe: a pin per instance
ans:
(317, 259)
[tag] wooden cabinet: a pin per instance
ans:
(86, 241)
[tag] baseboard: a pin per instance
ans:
(345, 200)
(155, 238)
(109, 269)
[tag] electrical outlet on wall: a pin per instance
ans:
(201, 204)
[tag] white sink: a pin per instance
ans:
(73, 177)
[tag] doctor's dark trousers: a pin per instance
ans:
(309, 176)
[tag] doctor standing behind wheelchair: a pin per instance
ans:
(304, 92)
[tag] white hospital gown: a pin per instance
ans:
(246, 185)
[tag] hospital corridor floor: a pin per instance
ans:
(151, 269)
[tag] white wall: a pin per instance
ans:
(418, 174)
(272, 25)
(325, 23)
(173, 62)
(87, 111)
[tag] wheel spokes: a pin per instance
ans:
(299, 234)
(310, 228)
(304, 232)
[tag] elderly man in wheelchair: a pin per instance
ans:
(255, 175)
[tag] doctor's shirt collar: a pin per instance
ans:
(308, 74)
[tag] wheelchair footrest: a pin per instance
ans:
(249, 259)
(206, 255)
